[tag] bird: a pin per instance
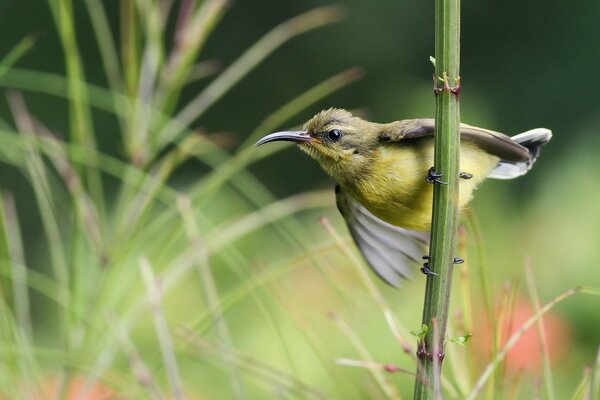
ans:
(383, 174)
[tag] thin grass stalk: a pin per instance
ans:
(484, 283)
(500, 356)
(162, 329)
(104, 100)
(244, 64)
(209, 288)
(594, 390)
(462, 363)
(256, 367)
(193, 30)
(16, 53)
(535, 301)
(6, 278)
(367, 281)
(18, 359)
(167, 280)
(41, 188)
(226, 169)
(389, 390)
(506, 319)
(81, 125)
(228, 300)
(87, 215)
(106, 44)
(445, 196)
(129, 45)
(19, 270)
(108, 51)
(305, 318)
(583, 386)
(139, 368)
(136, 142)
(15, 321)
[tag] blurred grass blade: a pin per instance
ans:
(388, 389)
(139, 368)
(203, 70)
(475, 391)
(86, 211)
(303, 101)
(19, 270)
(595, 379)
(129, 45)
(372, 365)
(485, 286)
(248, 185)
(248, 155)
(209, 288)
(541, 332)
(44, 201)
(136, 137)
(16, 53)
(400, 333)
(6, 280)
(583, 386)
(270, 214)
(256, 367)
(87, 214)
(106, 44)
(193, 29)
(81, 125)
(162, 329)
(244, 64)
(108, 51)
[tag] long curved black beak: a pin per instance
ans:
(287, 136)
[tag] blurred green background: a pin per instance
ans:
(293, 303)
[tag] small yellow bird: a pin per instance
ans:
(384, 175)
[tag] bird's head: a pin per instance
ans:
(339, 141)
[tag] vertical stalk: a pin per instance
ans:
(445, 197)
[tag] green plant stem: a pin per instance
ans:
(445, 196)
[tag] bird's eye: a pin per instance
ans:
(334, 135)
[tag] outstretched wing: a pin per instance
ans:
(389, 250)
(495, 143)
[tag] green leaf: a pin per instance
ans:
(462, 340)
(421, 334)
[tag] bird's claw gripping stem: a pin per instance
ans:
(425, 269)
(434, 177)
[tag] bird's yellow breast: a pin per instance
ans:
(394, 187)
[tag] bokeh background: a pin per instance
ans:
(284, 298)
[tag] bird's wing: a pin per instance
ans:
(495, 143)
(388, 249)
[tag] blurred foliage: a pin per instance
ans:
(293, 297)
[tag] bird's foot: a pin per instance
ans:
(425, 269)
(434, 177)
(465, 175)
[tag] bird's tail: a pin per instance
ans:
(533, 140)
